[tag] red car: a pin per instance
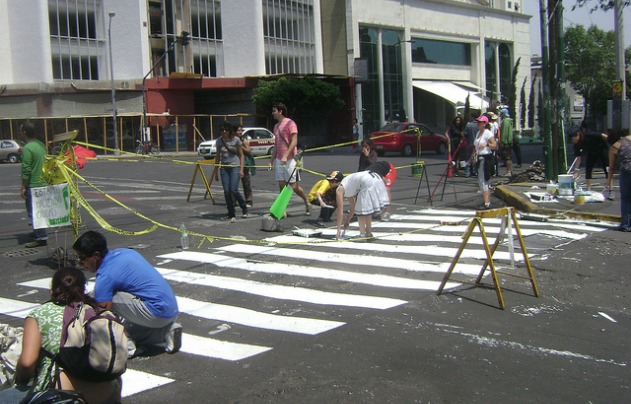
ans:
(403, 137)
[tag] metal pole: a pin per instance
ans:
(109, 35)
(619, 28)
(545, 125)
(561, 100)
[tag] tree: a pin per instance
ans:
(522, 105)
(512, 97)
(308, 100)
(590, 65)
(531, 105)
(599, 4)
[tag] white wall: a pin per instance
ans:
(130, 39)
(242, 27)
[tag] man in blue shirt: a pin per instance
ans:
(131, 287)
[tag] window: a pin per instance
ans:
(441, 52)
(288, 30)
(75, 43)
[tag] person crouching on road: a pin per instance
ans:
(366, 194)
(322, 194)
(127, 284)
(484, 145)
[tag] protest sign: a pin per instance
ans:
(51, 206)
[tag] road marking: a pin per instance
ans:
(224, 261)
(135, 381)
(232, 314)
(281, 292)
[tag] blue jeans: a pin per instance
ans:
(230, 181)
(625, 199)
(40, 234)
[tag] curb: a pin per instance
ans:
(519, 202)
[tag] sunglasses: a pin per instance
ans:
(82, 258)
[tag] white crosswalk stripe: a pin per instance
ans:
(291, 274)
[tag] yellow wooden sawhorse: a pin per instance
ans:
(199, 167)
(507, 213)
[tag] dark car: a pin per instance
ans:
(403, 137)
(11, 150)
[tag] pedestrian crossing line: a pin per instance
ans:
(232, 314)
(389, 281)
(192, 344)
(455, 218)
(353, 259)
(252, 318)
(281, 292)
(374, 247)
(135, 381)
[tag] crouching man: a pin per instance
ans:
(132, 288)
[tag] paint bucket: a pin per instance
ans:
(566, 185)
(552, 189)
(580, 197)
(417, 169)
(280, 204)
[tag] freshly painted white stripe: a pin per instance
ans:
(224, 261)
(135, 381)
(213, 348)
(374, 246)
(12, 211)
(280, 291)
(158, 198)
(352, 259)
(251, 318)
(191, 344)
(235, 315)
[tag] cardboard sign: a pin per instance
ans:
(51, 206)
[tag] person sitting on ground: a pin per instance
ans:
(35, 370)
(366, 194)
(389, 174)
(323, 194)
(127, 284)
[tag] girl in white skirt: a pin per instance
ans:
(366, 195)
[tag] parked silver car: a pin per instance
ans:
(261, 143)
(11, 150)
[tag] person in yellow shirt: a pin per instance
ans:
(323, 194)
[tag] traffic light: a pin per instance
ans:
(186, 38)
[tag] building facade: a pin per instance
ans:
(392, 59)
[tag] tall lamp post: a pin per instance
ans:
(109, 35)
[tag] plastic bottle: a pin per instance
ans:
(183, 237)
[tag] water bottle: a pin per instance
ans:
(183, 237)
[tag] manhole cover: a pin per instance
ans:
(20, 253)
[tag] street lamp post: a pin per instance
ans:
(109, 35)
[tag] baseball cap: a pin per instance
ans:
(336, 176)
(483, 118)
(492, 115)
(505, 112)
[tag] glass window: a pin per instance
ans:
(441, 52)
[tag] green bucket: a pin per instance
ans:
(280, 204)
(417, 169)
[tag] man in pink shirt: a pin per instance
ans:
(286, 134)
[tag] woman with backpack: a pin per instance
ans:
(35, 370)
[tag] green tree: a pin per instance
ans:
(522, 104)
(309, 100)
(512, 97)
(598, 4)
(590, 65)
(531, 105)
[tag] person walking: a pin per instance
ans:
(469, 132)
(455, 135)
(620, 150)
(506, 140)
(367, 156)
(594, 149)
(285, 150)
(248, 165)
(230, 161)
(484, 144)
(127, 284)
(33, 159)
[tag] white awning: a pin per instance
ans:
(454, 94)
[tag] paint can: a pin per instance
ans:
(566, 185)
(552, 189)
(580, 197)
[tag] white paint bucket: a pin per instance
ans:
(566, 185)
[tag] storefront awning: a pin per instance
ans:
(454, 94)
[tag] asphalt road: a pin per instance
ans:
(273, 318)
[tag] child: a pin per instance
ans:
(323, 194)
(389, 174)
(366, 194)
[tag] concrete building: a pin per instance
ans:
(390, 58)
